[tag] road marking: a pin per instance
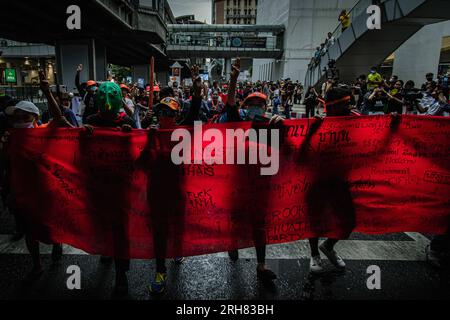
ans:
(348, 249)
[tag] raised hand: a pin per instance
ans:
(195, 72)
(43, 82)
(80, 68)
(236, 69)
(196, 81)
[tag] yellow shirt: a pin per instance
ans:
(345, 20)
(373, 80)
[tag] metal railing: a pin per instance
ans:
(314, 68)
(30, 93)
(358, 9)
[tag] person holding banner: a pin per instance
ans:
(168, 216)
(25, 115)
(109, 101)
(329, 199)
(253, 109)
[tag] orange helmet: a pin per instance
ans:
(256, 95)
(124, 87)
(91, 83)
(172, 103)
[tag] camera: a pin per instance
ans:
(413, 95)
(332, 73)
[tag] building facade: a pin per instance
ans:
(234, 11)
(307, 25)
(237, 12)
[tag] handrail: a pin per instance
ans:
(359, 8)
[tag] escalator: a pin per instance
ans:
(357, 49)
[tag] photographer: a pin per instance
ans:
(376, 102)
(411, 97)
(434, 102)
(395, 95)
(381, 101)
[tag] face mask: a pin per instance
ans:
(167, 122)
(254, 112)
(109, 98)
(25, 125)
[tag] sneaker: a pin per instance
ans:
(315, 265)
(178, 260)
(333, 257)
(57, 252)
(158, 286)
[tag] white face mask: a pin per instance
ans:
(26, 125)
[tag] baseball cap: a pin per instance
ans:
(125, 87)
(26, 106)
(172, 103)
(257, 95)
(91, 83)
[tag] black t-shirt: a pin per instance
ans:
(91, 108)
(97, 120)
(395, 106)
(424, 86)
(377, 104)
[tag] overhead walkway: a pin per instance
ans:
(225, 41)
(358, 48)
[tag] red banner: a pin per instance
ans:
(120, 194)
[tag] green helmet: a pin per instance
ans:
(109, 98)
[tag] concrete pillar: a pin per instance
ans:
(70, 54)
(421, 53)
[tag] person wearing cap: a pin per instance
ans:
(128, 105)
(151, 118)
(167, 115)
(329, 196)
(88, 92)
(253, 109)
(25, 115)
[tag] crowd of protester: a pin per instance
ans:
(128, 107)
(374, 94)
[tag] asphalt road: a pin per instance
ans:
(405, 273)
